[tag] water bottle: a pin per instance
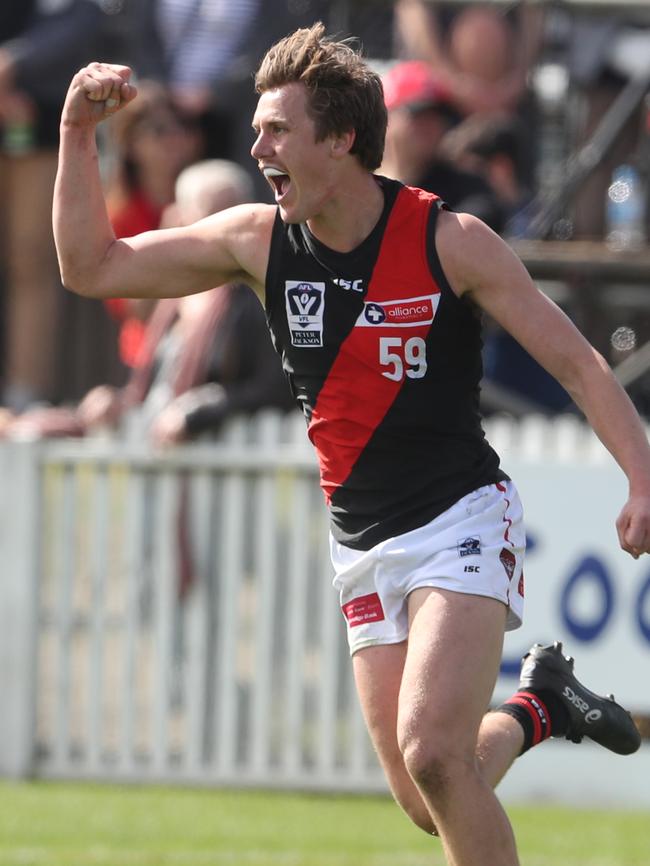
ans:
(625, 210)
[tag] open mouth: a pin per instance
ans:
(279, 180)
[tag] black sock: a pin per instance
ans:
(557, 710)
(540, 714)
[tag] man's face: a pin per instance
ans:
(298, 168)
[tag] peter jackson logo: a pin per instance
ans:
(305, 304)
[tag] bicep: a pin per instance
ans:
(172, 262)
(168, 263)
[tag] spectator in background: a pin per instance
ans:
(604, 49)
(148, 145)
(489, 145)
(513, 380)
(197, 49)
(206, 53)
(419, 117)
(41, 44)
(480, 54)
(204, 358)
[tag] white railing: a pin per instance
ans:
(122, 659)
(228, 668)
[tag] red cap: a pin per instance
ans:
(412, 84)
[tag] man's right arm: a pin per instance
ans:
(231, 245)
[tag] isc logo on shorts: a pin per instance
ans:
(305, 307)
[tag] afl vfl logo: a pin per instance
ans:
(374, 314)
(470, 546)
(305, 303)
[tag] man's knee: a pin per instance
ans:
(433, 762)
(427, 764)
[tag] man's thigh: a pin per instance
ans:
(451, 665)
(378, 676)
(439, 682)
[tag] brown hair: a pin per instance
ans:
(344, 93)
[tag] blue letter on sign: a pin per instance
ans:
(641, 618)
(590, 570)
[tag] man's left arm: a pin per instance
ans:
(496, 280)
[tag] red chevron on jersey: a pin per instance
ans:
(385, 348)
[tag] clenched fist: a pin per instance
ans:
(97, 91)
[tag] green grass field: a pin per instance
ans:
(52, 824)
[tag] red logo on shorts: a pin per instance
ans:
(366, 608)
(508, 561)
(520, 588)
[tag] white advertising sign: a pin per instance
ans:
(581, 588)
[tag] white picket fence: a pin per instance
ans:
(112, 669)
(118, 663)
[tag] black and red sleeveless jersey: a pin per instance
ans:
(385, 362)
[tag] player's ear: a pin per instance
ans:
(342, 142)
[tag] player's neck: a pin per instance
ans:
(350, 216)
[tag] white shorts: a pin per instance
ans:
(475, 547)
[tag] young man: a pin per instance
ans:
(371, 290)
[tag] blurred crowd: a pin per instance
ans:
(486, 104)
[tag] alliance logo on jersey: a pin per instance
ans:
(406, 313)
(305, 307)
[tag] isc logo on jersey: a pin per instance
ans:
(305, 306)
(407, 312)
